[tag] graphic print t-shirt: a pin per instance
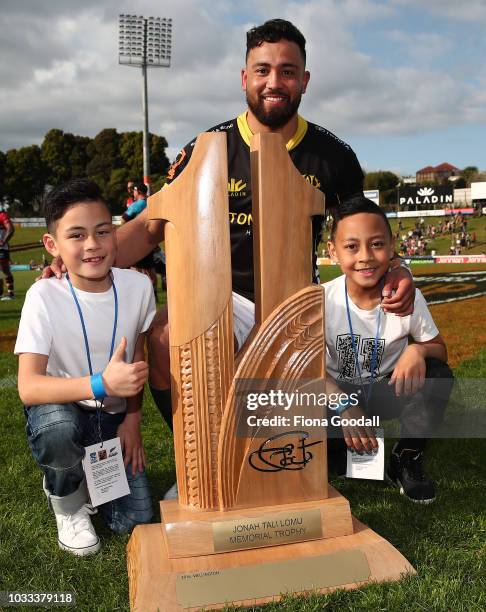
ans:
(392, 335)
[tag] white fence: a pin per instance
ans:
(41, 222)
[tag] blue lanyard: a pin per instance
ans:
(374, 356)
(86, 343)
(81, 318)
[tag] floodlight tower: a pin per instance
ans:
(145, 42)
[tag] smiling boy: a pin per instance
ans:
(76, 386)
(369, 352)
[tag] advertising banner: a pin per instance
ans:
(461, 259)
(462, 211)
(421, 213)
(373, 194)
(425, 195)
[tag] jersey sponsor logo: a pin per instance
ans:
(236, 187)
(328, 133)
(241, 218)
(313, 180)
(225, 126)
(178, 161)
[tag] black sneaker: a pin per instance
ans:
(406, 471)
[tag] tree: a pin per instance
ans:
(386, 182)
(117, 190)
(469, 174)
(159, 162)
(65, 155)
(109, 159)
(104, 157)
(131, 152)
(25, 179)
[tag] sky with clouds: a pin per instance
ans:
(403, 81)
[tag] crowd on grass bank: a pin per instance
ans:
(418, 240)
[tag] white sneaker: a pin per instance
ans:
(76, 533)
(7, 298)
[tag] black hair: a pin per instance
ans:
(141, 188)
(60, 198)
(354, 206)
(273, 31)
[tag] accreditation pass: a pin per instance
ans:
(369, 467)
(105, 472)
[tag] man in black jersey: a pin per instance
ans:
(274, 80)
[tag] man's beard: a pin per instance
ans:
(276, 117)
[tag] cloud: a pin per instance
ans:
(423, 48)
(60, 68)
(467, 10)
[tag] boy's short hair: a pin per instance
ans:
(60, 198)
(141, 188)
(273, 31)
(354, 206)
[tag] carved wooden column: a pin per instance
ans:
(200, 313)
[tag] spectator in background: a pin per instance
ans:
(130, 199)
(146, 265)
(6, 232)
(139, 202)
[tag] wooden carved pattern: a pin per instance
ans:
(283, 203)
(198, 251)
(191, 494)
(203, 389)
(289, 346)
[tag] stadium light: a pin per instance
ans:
(145, 42)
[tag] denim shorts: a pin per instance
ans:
(57, 435)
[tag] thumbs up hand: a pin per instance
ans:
(122, 379)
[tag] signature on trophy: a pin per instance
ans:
(285, 451)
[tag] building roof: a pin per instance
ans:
(426, 169)
(444, 167)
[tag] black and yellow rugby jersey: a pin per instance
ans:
(322, 158)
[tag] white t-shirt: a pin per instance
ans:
(392, 337)
(50, 325)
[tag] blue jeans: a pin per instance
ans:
(57, 435)
(420, 415)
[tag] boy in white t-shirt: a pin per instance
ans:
(369, 352)
(82, 365)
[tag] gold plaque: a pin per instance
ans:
(267, 530)
(212, 587)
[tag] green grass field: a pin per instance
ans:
(440, 244)
(446, 542)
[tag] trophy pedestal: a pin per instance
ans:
(190, 533)
(251, 577)
(178, 565)
(304, 539)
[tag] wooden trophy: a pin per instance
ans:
(255, 516)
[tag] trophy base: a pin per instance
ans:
(191, 533)
(255, 576)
